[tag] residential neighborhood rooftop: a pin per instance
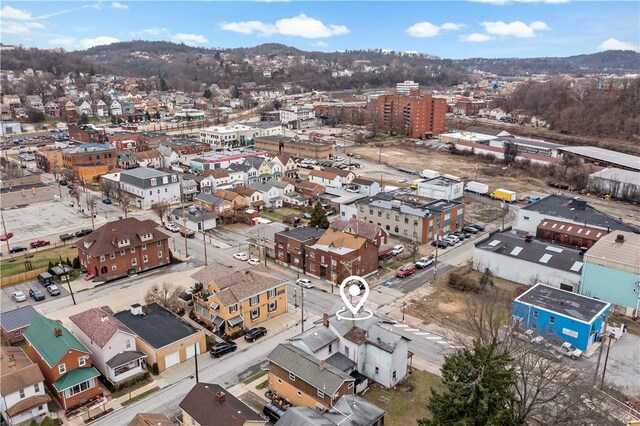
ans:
(303, 233)
(210, 404)
(17, 318)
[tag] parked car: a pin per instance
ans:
(461, 235)
(424, 262)
(440, 243)
(478, 226)
(273, 411)
(71, 186)
(172, 226)
(253, 261)
(106, 201)
(45, 278)
(402, 180)
(39, 243)
(67, 236)
(255, 333)
(53, 290)
(17, 249)
(241, 256)
(567, 349)
(470, 229)
(548, 352)
(397, 250)
(304, 282)
(405, 270)
(220, 349)
(83, 232)
(36, 294)
(453, 237)
(534, 199)
(187, 232)
(448, 240)
(18, 296)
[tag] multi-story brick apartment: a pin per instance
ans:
(87, 162)
(415, 115)
(470, 107)
(235, 302)
(49, 160)
(411, 220)
(337, 255)
(64, 362)
(296, 148)
(147, 187)
(87, 134)
(123, 246)
(370, 231)
(290, 245)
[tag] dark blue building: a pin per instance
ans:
(562, 315)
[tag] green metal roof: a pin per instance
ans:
(52, 348)
(75, 377)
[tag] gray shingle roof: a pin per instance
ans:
(306, 367)
(317, 337)
(125, 357)
(18, 318)
(303, 233)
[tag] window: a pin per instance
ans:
(102, 258)
(280, 381)
(82, 361)
(394, 375)
(350, 385)
(62, 368)
(122, 252)
(254, 300)
(127, 344)
(36, 387)
(320, 393)
(233, 308)
(346, 351)
(255, 313)
(144, 247)
(312, 267)
(17, 333)
(272, 306)
(312, 255)
(79, 388)
(271, 293)
(535, 314)
(292, 377)
(406, 220)
(134, 262)
(21, 393)
(112, 256)
(159, 244)
(377, 370)
(159, 255)
(552, 320)
(133, 250)
(145, 259)
(298, 393)
(114, 267)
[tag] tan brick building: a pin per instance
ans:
(298, 148)
(415, 115)
(123, 246)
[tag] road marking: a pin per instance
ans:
(433, 337)
(410, 329)
(400, 325)
(422, 334)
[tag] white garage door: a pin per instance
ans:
(192, 350)
(172, 359)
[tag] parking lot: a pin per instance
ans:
(8, 303)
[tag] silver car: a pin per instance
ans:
(18, 296)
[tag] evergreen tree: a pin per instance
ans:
(163, 85)
(147, 116)
(319, 217)
(84, 119)
(234, 92)
(479, 389)
(207, 93)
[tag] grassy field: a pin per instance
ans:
(254, 377)
(131, 388)
(408, 401)
(40, 259)
(278, 214)
(447, 306)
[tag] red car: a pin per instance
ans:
(406, 270)
(39, 243)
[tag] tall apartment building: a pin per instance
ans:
(405, 87)
(88, 161)
(415, 115)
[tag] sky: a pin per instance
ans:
(452, 29)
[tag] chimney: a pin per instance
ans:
(620, 238)
(220, 397)
(325, 320)
(57, 332)
(322, 365)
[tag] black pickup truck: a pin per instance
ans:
(67, 236)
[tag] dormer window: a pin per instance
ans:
(146, 237)
(123, 243)
(154, 182)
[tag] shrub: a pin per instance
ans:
(76, 262)
(154, 369)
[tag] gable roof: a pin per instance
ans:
(99, 325)
(324, 174)
(363, 181)
(18, 318)
(244, 284)
(227, 195)
(357, 227)
(283, 158)
(307, 368)
(52, 348)
(215, 173)
(245, 191)
(150, 419)
(340, 172)
(211, 199)
(104, 240)
(17, 370)
(338, 239)
(316, 338)
(202, 405)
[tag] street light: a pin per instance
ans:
(404, 304)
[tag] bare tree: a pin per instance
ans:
(510, 153)
(107, 187)
(161, 209)
(165, 295)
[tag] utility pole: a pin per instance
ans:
(4, 229)
(68, 282)
(302, 308)
(204, 236)
(606, 359)
(195, 357)
(435, 261)
(184, 223)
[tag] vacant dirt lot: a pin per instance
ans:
(417, 158)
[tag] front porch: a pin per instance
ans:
(125, 366)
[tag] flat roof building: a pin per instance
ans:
(604, 157)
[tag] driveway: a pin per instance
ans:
(623, 366)
(8, 303)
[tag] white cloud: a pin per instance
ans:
(514, 29)
(297, 26)
(97, 41)
(427, 29)
(476, 37)
(63, 42)
(615, 44)
(190, 39)
(320, 43)
(11, 27)
(117, 5)
(8, 12)
(153, 31)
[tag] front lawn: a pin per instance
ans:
(277, 215)
(408, 401)
(40, 259)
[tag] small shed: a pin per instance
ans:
(62, 272)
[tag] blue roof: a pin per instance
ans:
(18, 318)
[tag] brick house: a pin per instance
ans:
(369, 231)
(290, 245)
(235, 302)
(209, 404)
(337, 255)
(64, 362)
(306, 380)
(88, 161)
(123, 246)
(305, 187)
